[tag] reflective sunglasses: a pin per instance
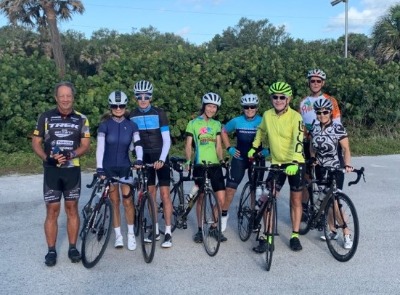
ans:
(249, 107)
(141, 96)
(322, 113)
(116, 106)
(315, 81)
(280, 97)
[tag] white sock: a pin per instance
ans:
(117, 231)
(167, 229)
(157, 230)
(130, 229)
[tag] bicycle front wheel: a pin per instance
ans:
(147, 222)
(211, 223)
(245, 213)
(307, 214)
(271, 229)
(341, 218)
(96, 234)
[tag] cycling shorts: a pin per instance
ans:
(320, 173)
(61, 181)
(163, 174)
(123, 174)
(238, 168)
(214, 173)
(296, 182)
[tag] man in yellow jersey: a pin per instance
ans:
(283, 127)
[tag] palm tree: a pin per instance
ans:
(43, 15)
(386, 36)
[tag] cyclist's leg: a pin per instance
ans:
(237, 171)
(164, 179)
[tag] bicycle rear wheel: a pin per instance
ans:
(341, 217)
(176, 196)
(147, 223)
(271, 229)
(308, 213)
(96, 234)
(211, 223)
(245, 213)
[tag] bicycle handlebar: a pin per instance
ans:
(94, 179)
(360, 172)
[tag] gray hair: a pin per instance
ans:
(67, 84)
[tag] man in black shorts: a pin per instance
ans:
(61, 136)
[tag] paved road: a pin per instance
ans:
(187, 268)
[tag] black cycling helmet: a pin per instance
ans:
(322, 103)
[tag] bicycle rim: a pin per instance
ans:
(147, 227)
(271, 226)
(97, 234)
(307, 214)
(211, 223)
(336, 219)
(245, 213)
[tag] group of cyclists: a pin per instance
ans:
(278, 133)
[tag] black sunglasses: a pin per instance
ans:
(280, 97)
(249, 107)
(143, 95)
(116, 106)
(322, 112)
(316, 81)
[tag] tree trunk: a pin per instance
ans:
(58, 54)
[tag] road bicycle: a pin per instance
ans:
(330, 210)
(97, 216)
(249, 217)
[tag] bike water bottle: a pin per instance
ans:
(259, 192)
(193, 192)
(263, 197)
(321, 195)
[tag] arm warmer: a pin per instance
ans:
(166, 145)
(101, 139)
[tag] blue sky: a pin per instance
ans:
(198, 21)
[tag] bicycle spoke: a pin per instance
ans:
(211, 223)
(245, 213)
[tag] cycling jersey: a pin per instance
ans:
(308, 113)
(64, 132)
(118, 138)
(325, 142)
(285, 136)
(153, 129)
(245, 130)
(204, 133)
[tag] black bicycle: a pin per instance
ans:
(332, 211)
(249, 217)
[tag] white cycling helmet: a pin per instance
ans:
(211, 98)
(117, 97)
(322, 103)
(143, 86)
(249, 100)
(316, 73)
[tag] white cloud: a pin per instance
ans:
(361, 21)
(183, 32)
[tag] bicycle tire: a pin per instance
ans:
(271, 226)
(97, 234)
(147, 224)
(211, 222)
(136, 206)
(348, 213)
(307, 214)
(245, 214)
(177, 195)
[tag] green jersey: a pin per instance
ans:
(204, 133)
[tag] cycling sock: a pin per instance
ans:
(157, 230)
(224, 212)
(117, 231)
(130, 229)
(200, 229)
(72, 246)
(167, 229)
(295, 234)
(52, 249)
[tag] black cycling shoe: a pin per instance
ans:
(295, 244)
(74, 255)
(51, 258)
(262, 247)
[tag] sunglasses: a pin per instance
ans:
(116, 106)
(280, 97)
(322, 113)
(146, 96)
(315, 81)
(249, 107)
